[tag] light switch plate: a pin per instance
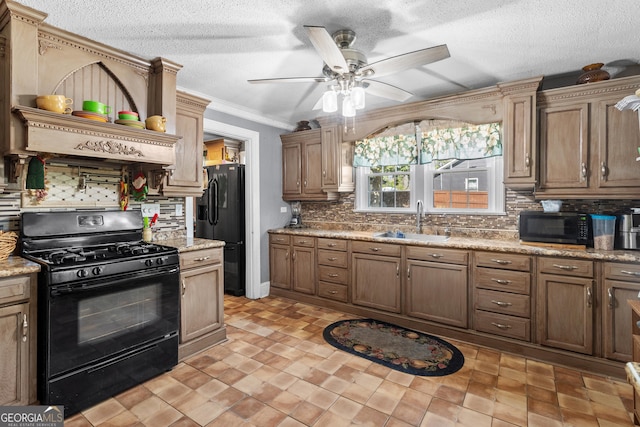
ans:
(283, 209)
(150, 209)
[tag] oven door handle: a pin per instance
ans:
(87, 287)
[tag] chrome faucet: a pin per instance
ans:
(419, 209)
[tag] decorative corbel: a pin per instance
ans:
(16, 166)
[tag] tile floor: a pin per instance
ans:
(276, 370)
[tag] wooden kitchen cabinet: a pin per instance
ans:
(292, 263)
(437, 285)
(502, 294)
(18, 340)
(375, 275)
(587, 146)
(337, 160)
(202, 302)
(565, 304)
(302, 166)
(621, 284)
(185, 177)
(333, 269)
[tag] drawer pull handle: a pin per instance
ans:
(589, 298)
(302, 242)
(204, 258)
(436, 255)
(501, 281)
(279, 239)
(333, 258)
(332, 245)
(501, 261)
(333, 275)
(631, 273)
(501, 303)
(565, 267)
(610, 295)
(500, 325)
(333, 292)
(184, 287)
(375, 249)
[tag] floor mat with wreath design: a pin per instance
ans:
(398, 348)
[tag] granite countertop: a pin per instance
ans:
(15, 266)
(510, 246)
(184, 244)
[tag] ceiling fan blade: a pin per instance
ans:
(385, 90)
(406, 61)
(318, 104)
(291, 80)
(327, 48)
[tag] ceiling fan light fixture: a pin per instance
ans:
(357, 97)
(330, 101)
(348, 109)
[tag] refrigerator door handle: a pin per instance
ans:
(210, 205)
(214, 206)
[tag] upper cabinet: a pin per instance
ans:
(587, 146)
(185, 176)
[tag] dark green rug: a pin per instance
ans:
(396, 347)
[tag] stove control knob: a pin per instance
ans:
(159, 261)
(97, 270)
(82, 273)
(148, 262)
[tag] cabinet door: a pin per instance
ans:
(202, 301)
(618, 139)
(304, 270)
(376, 281)
(519, 141)
(14, 353)
(617, 332)
(437, 292)
(291, 169)
(280, 266)
(312, 168)
(564, 147)
(565, 312)
(330, 158)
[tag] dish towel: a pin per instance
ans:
(35, 174)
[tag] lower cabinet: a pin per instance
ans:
(621, 284)
(437, 285)
(279, 261)
(18, 340)
(375, 276)
(565, 304)
(333, 269)
(303, 265)
(202, 306)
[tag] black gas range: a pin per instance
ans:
(108, 304)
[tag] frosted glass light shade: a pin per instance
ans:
(357, 97)
(329, 101)
(348, 110)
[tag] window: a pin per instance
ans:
(461, 170)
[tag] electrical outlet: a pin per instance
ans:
(283, 209)
(150, 209)
(178, 210)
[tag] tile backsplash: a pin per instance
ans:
(340, 215)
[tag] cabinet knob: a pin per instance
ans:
(583, 169)
(527, 160)
(611, 300)
(603, 170)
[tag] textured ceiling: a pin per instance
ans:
(224, 43)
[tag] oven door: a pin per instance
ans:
(90, 321)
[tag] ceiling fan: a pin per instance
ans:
(348, 73)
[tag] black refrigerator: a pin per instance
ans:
(220, 215)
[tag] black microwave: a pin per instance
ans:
(556, 227)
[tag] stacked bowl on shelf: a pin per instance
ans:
(129, 118)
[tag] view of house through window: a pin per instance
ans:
(451, 166)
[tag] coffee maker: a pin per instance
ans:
(296, 220)
(628, 232)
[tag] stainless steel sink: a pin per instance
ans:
(412, 236)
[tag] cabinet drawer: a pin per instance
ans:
(333, 244)
(501, 324)
(333, 291)
(503, 302)
(627, 272)
(376, 248)
(333, 258)
(503, 261)
(306, 241)
(450, 256)
(281, 239)
(566, 267)
(200, 258)
(502, 280)
(14, 289)
(333, 274)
